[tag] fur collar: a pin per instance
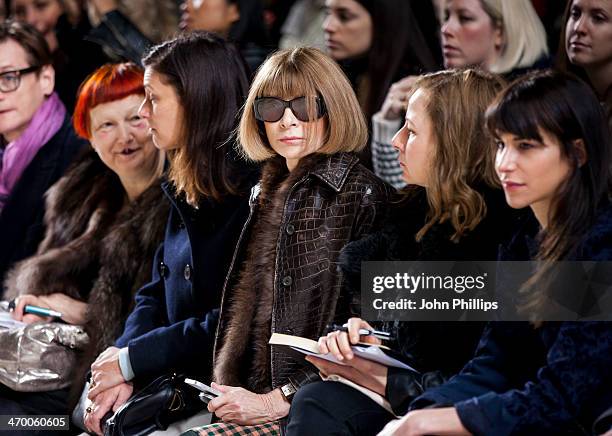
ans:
(243, 358)
(330, 169)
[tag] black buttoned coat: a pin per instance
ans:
(175, 315)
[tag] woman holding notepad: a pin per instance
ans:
(454, 210)
(304, 122)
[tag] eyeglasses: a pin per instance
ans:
(271, 109)
(10, 80)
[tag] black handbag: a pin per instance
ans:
(165, 400)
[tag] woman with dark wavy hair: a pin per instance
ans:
(553, 156)
(378, 42)
(194, 87)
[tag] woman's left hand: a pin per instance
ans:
(239, 406)
(443, 422)
(370, 375)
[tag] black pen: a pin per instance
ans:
(364, 332)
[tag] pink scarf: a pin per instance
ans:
(45, 123)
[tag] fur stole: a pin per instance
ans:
(243, 358)
(94, 249)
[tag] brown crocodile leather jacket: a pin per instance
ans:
(285, 277)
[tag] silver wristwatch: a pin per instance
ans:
(288, 390)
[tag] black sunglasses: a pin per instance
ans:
(271, 109)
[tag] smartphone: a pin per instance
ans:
(207, 393)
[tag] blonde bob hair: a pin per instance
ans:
(305, 71)
(523, 32)
(463, 154)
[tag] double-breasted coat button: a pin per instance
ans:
(290, 229)
(287, 281)
(163, 270)
(187, 272)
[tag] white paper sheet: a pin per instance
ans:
(374, 354)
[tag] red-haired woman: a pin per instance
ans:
(104, 221)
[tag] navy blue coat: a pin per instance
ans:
(21, 219)
(173, 324)
(552, 380)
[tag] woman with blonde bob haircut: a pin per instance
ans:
(500, 36)
(309, 73)
(303, 119)
(524, 36)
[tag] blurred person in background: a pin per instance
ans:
(276, 13)
(378, 42)
(44, 14)
(39, 139)
(304, 25)
(585, 47)
(127, 28)
(238, 21)
(104, 220)
(64, 25)
(500, 36)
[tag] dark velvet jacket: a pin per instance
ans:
(437, 350)
(175, 316)
(289, 282)
(555, 379)
(21, 219)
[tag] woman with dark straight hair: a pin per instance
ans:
(198, 171)
(377, 42)
(397, 45)
(553, 155)
(239, 21)
(194, 88)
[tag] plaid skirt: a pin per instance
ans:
(229, 429)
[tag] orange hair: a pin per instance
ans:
(108, 83)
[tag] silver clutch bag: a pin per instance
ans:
(41, 356)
